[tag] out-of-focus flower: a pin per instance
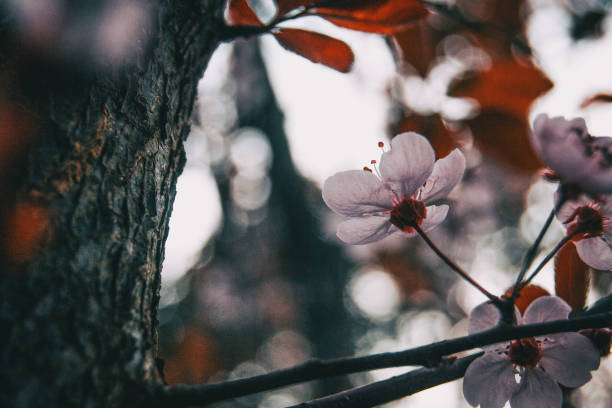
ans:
(573, 155)
(527, 371)
(395, 198)
(590, 220)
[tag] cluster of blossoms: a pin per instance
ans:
(397, 198)
(583, 165)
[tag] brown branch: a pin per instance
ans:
(428, 355)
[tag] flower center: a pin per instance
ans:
(525, 352)
(587, 222)
(408, 213)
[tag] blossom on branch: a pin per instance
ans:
(396, 198)
(527, 371)
(589, 221)
(574, 156)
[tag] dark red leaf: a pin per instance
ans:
(25, 231)
(317, 47)
(527, 295)
(433, 128)
(382, 16)
(571, 277)
(239, 13)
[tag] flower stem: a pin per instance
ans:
(548, 257)
(531, 253)
(453, 265)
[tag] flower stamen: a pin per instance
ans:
(525, 352)
(407, 213)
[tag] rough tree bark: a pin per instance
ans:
(80, 318)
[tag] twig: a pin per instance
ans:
(395, 387)
(428, 355)
(530, 255)
(548, 257)
(453, 265)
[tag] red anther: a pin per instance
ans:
(381, 144)
(373, 162)
(366, 168)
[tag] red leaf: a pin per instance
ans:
(374, 16)
(571, 277)
(508, 87)
(527, 295)
(239, 13)
(316, 47)
(504, 138)
(433, 128)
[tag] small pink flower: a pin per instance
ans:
(574, 156)
(527, 371)
(591, 222)
(396, 197)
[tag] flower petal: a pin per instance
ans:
(446, 174)
(569, 358)
(408, 164)
(485, 316)
(435, 215)
(489, 381)
(560, 143)
(363, 230)
(595, 252)
(546, 308)
(537, 389)
(356, 192)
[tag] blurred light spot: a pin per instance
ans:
(375, 294)
(250, 194)
(416, 329)
(195, 216)
(251, 153)
(540, 201)
(284, 349)
(278, 400)
(265, 10)
(121, 30)
(246, 369)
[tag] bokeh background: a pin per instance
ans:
(254, 278)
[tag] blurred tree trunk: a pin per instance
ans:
(79, 318)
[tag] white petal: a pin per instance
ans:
(435, 215)
(569, 358)
(408, 164)
(489, 381)
(356, 192)
(446, 174)
(363, 230)
(546, 308)
(537, 390)
(485, 316)
(595, 252)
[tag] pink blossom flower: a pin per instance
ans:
(590, 220)
(397, 197)
(527, 371)
(574, 156)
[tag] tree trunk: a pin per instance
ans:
(80, 316)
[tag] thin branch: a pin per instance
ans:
(531, 253)
(453, 265)
(395, 387)
(428, 355)
(548, 257)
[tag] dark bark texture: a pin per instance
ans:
(79, 319)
